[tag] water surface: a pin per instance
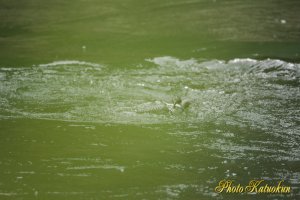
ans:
(119, 133)
(148, 99)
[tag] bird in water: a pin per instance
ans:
(179, 103)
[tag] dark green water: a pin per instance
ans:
(148, 99)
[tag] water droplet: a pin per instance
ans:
(283, 21)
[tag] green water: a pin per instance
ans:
(148, 99)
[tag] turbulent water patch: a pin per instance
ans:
(240, 91)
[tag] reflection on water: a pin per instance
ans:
(169, 129)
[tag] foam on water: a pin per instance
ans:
(70, 62)
(240, 91)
